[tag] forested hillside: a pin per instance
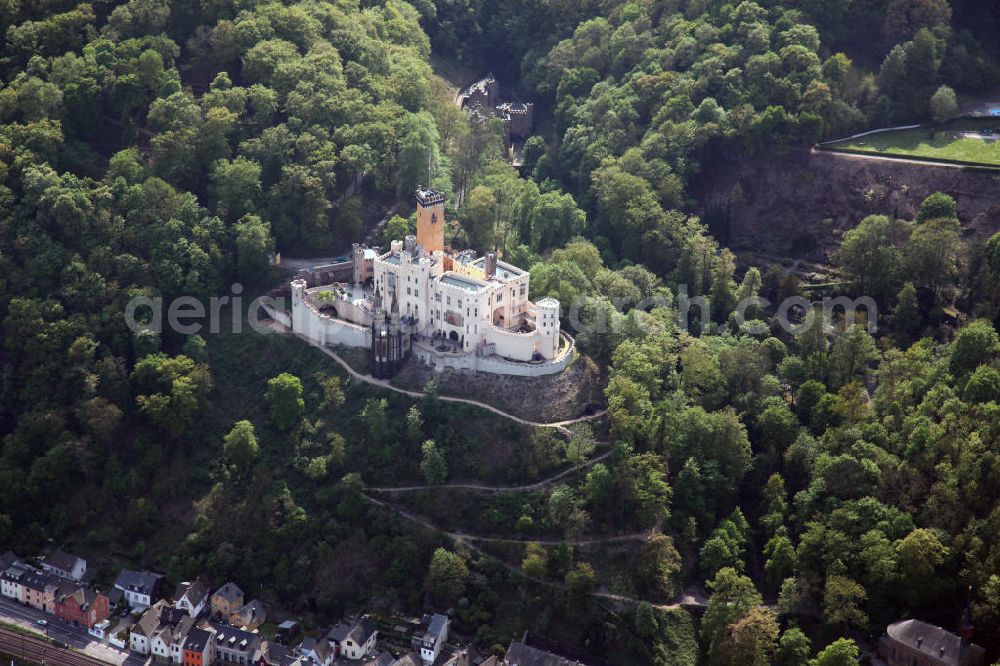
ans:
(166, 149)
(819, 483)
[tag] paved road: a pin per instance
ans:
(77, 637)
(888, 158)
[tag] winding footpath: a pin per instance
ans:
(465, 538)
(562, 426)
(689, 598)
(537, 485)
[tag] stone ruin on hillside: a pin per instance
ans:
(481, 101)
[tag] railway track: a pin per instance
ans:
(42, 652)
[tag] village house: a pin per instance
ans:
(41, 589)
(235, 646)
(168, 641)
(916, 643)
(10, 581)
(227, 600)
(191, 597)
(250, 616)
(317, 650)
(355, 640)
(83, 607)
(65, 565)
(272, 653)
(139, 587)
(141, 633)
(199, 648)
(521, 654)
(431, 636)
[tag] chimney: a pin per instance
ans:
(410, 243)
(490, 265)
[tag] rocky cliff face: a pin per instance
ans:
(800, 203)
(552, 398)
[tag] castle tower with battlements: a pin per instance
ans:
(430, 221)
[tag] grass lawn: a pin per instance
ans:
(949, 144)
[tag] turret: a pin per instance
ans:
(547, 326)
(358, 254)
(299, 317)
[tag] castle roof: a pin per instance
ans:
(462, 282)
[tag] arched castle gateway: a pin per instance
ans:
(450, 310)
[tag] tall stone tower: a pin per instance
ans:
(430, 220)
(547, 323)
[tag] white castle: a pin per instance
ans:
(450, 310)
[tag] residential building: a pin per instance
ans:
(227, 600)
(199, 648)
(234, 646)
(192, 597)
(161, 632)
(117, 599)
(250, 616)
(83, 607)
(41, 589)
(141, 633)
(140, 588)
(521, 654)
(916, 643)
(431, 636)
(65, 565)
(166, 644)
(317, 650)
(271, 653)
(354, 640)
(10, 581)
